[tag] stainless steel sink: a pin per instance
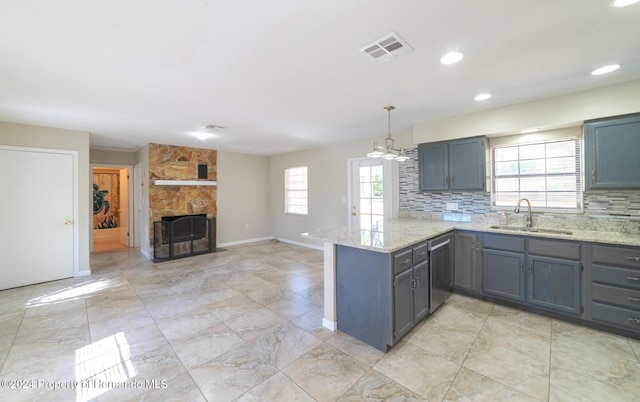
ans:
(532, 230)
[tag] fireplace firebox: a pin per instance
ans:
(183, 236)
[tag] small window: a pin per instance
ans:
(547, 174)
(295, 191)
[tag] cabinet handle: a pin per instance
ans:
(634, 320)
(634, 299)
(408, 260)
(593, 175)
(634, 259)
(633, 278)
(521, 267)
(451, 180)
(446, 180)
(530, 268)
(423, 253)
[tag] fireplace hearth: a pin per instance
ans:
(183, 236)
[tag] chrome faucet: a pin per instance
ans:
(517, 210)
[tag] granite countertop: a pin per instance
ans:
(396, 234)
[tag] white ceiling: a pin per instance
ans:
(284, 75)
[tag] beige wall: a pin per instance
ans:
(105, 157)
(51, 138)
(560, 111)
(328, 187)
(243, 198)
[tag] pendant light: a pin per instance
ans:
(388, 151)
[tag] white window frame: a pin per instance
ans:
(542, 138)
(296, 191)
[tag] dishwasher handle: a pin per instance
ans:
(437, 246)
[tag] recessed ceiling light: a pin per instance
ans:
(482, 97)
(623, 3)
(451, 58)
(202, 136)
(605, 69)
(529, 130)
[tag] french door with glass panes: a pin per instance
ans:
(370, 195)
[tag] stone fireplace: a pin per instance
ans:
(175, 189)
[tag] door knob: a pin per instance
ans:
(67, 222)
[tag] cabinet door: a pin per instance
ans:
(612, 147)
(554, 284)
(421, 291)
(403, 303)
(467, 164)
(433, 162)
(503, 274)
(464, 273)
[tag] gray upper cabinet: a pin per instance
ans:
(433, 160)
(612, 147)
(453, 165)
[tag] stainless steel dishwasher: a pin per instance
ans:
(440, 270)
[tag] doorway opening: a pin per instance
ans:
(111, 208)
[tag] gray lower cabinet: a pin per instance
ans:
(539, 273)
(615, 287)
(467, 260)
(411, 299)
(554, 277)
(503, 267)
(380, 297)
(364, 295)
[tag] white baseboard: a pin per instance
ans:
(83, 273)
(330, 325)
(297, 243)
(247, 241)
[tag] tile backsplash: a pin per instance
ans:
(616, 211)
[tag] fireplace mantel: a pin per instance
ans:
(185, 183)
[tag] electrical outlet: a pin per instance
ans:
(451, 206)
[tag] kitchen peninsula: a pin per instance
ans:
(555, 260)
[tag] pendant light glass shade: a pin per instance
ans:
(376, 152)
(388, 152)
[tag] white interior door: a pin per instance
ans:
(36, 216)
(123, 212)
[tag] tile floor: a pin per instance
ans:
(244, 324)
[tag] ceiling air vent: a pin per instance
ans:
(213, 127)
(386, 48)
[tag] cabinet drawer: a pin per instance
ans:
(420, 253)
(629, 257)
(618, 316)
(614, 295)
(402, 261)
(507, 243)
(629, 278)
(560, 249)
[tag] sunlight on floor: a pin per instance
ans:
(103, 365)
(72, 292)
